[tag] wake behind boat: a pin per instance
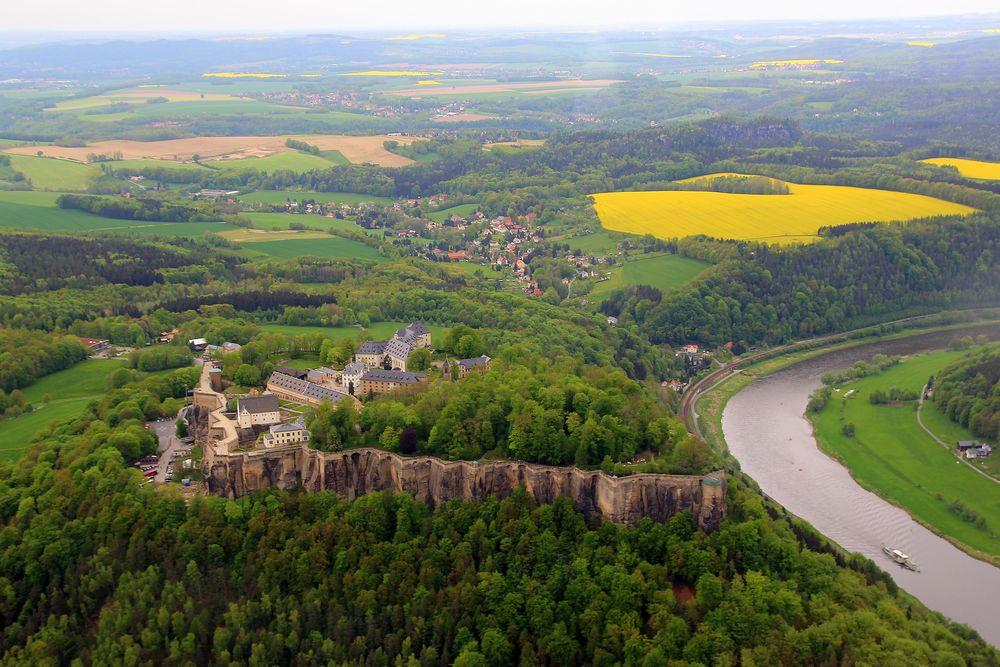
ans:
(900, 558)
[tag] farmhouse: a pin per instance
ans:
(257, 411)
(297, 390)
(281, 435)
(377, 381)
(980, 452)
(965, 445)
(95, 345)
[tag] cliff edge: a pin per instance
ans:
(354, 472)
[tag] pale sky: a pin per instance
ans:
(232, 16)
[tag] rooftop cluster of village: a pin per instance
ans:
(275, 418)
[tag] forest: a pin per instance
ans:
(95, 566)
(967, 391)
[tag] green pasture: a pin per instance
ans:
(52, 173)
(464, 210)
(891, 455)
(280, 196)
(68, 391)
(377, 331)
(663, 272)
(287, 161)
(332, 247)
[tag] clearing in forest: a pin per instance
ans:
(986, 171)
(792, 218)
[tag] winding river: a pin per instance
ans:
(765, 428)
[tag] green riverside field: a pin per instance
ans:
(891, 455)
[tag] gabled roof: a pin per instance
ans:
(398, 348)
(293, 372)
(305, 388)
(297, 425)
(475, 361)
(355, 368)
(256, 405)
(372, 347)
(399, 377)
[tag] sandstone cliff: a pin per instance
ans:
(354, 472)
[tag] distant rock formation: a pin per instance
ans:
(354, 472)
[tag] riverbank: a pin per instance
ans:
(764, 430)
(887, 452)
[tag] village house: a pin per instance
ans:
(257, 411)
(95, 345)
(980, 452)
(197, 344)
(377, 381)
(296, 390)
(282, 435)
(167, 336)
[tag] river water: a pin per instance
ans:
(766, 430)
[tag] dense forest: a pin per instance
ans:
(97, 567)
(968, 391)
(758, 294)
(26, 356)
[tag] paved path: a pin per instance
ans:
(920, 420)
(166, 430)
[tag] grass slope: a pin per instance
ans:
(53, 174)
(664, 272)
(790, 218)
(280, 196)
(463, 210)
(893, 456)
(333, 246)
(378, 330)
(69, 392)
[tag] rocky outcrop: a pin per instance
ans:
(352, 473)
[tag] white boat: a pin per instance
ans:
(900, 558)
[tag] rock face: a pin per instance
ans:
(352, 473)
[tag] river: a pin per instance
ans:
(766, 430)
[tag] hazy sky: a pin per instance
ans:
(376, 15)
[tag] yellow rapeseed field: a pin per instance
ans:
(383, 72)
(794, 63)
(928, 44)
(791, 218)
(243, 75)
(987, 171)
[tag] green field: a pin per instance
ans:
(69, 392)
(280, 196)
(663, 272)
(37, 211)
(288, 161)
(333, 246)
(285, 220)
(53, 174)
(599, 243)
(891, 455)
(464, 210)
(377, 331)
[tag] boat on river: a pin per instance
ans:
(900, 558)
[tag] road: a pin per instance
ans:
(920, 420)
(166, 431)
